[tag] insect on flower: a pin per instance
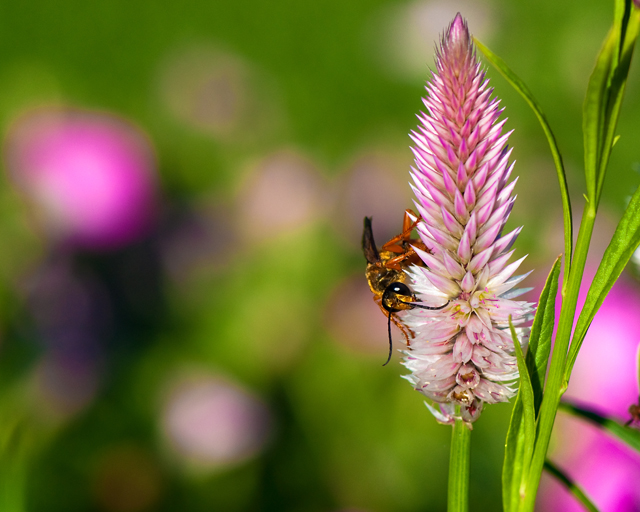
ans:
(386, 273)
(634, 411)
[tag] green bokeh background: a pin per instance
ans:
(346, 433)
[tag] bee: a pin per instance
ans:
(386, 273)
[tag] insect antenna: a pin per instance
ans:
(390, 342)
(389, 324)
(432, 308)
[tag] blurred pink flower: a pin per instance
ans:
(372, 185)
(353, 319)
(604, 378)
(606, 469)
(91, 176)
(614, 387)
(210, 422)
(282, 192)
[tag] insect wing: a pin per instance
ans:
(368, 244)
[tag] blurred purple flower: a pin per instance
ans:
(91, 176)
(72, 318)
(605, 380)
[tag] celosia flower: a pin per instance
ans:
(463, 354)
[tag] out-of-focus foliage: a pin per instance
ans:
(226, 354)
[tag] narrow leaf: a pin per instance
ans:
(541, 333)
(624, 242)
(520, 436)
(627, 34)
(526, 94)
(629, 435)
(571, 486)
(512, 469)
(527, 418)
(621, 10)
(593, 111)
(527, 391)
(604, 95)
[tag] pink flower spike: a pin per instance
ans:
(460, 207)
(463, 355)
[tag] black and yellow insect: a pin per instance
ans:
(386, 274)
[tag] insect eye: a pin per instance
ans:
(400, 289)
(391, 298)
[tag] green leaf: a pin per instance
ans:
(603, 100)
(521, 436)
(524, 91)
(512, 468)
(593, 112)
(629, 27)
(571, 486)
(629, 435)
(527, 396)
(624, 242)
(541, 333)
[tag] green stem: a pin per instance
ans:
(555, 386)
(458, 499)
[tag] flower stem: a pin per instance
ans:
(458, 498)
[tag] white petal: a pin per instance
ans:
(505, 274)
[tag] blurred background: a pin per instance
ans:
(184, 319)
